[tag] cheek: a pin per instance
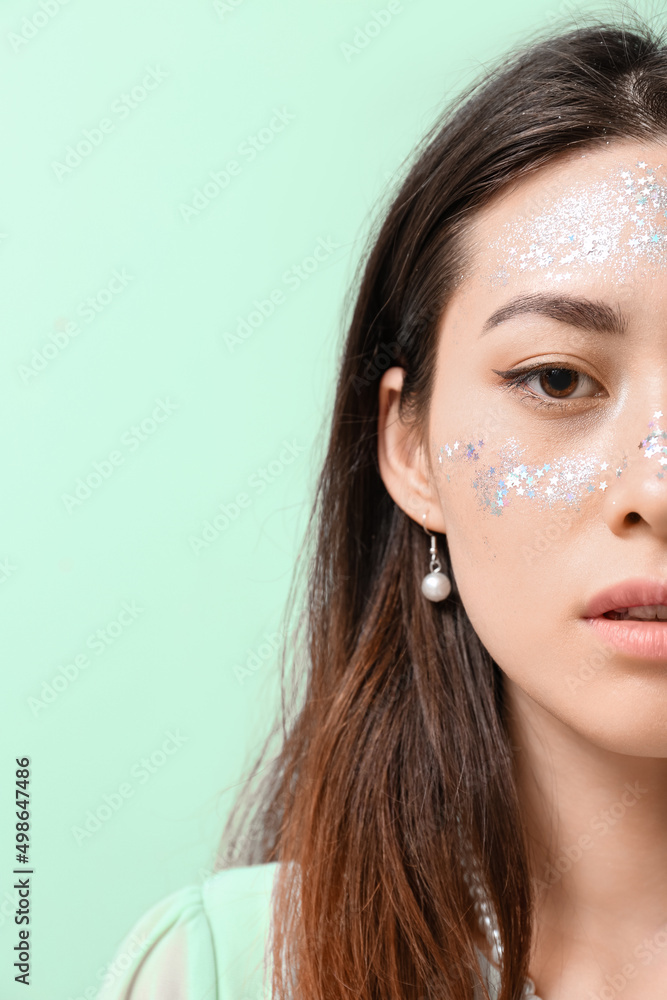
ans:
(492, 477)
(655, 444)
(510, 476)
(515, 517)
(522, 549)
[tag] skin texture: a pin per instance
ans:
(588, 723)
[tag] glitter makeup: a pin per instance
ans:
(610, 223)
(652, 443)
(509, 482)
(562, 480)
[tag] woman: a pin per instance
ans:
(470, 798)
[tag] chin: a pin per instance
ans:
(616, 720)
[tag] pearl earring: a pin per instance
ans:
(436, 586)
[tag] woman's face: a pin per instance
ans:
(552, 490)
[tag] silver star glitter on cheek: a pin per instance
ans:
(607, 223)
(563, 480)
(652, 443)
(509, 481)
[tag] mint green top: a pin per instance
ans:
(209, 942)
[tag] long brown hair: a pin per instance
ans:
(394, 725)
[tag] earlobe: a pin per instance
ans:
(401, 457)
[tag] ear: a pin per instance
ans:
(402, 459)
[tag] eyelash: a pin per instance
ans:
(515, 380)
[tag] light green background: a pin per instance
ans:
(356, 116)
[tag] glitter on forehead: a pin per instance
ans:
(510, 482)
(608, 223)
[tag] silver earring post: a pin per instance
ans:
(436, 585)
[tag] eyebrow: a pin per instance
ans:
(595, 317)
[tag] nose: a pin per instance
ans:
(640, 493)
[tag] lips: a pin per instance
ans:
(642, 639)
(627, 594)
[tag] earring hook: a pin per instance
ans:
(434, 565)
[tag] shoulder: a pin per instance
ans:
(207, 941)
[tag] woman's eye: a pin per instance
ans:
(550, 384)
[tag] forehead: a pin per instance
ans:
(601, 212)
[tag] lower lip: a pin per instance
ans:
(647, 640)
